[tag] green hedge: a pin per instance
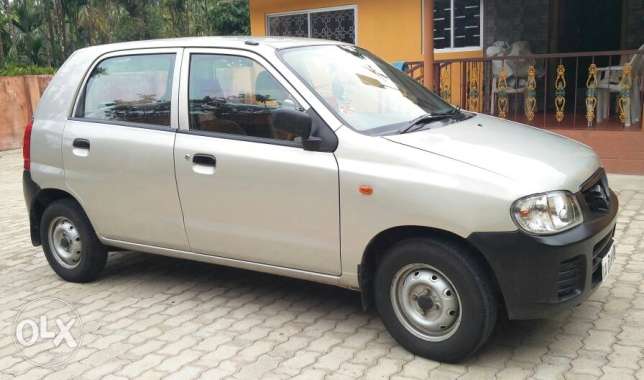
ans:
(15, 70)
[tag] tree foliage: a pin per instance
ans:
(46, 32)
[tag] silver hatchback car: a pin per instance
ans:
(315, 160)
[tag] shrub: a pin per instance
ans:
(15, 70)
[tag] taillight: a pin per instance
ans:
(26, 147)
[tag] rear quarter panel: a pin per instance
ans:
(49, 121)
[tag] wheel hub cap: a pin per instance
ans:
(65, 242)
(426, 302)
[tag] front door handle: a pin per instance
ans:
(80, 147)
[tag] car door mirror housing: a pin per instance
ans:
(298, 123)
(312, 143)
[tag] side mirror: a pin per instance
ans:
(298, 123)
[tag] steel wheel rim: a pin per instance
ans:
(64, 242)
(426, 302)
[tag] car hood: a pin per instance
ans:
(509, 149)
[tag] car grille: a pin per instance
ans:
(599, 251)
(571, 276)
(596, 193)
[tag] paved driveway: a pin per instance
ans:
(151, 317)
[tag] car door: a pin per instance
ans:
(118, 147)
(248, 191)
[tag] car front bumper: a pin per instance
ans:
(539, 275)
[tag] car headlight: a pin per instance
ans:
(547, 213)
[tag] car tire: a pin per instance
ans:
(70, 243)
(436, 298)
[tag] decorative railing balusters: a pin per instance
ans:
(503, 85)
(474, 71)
(531, 94)
(591, 94)
(445, 83)
(560, 93)
(624, 98)
(502, 89)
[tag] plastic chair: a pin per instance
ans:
(609, 78)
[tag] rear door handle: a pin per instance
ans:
(203, 163)
(81, 143)
(204, 160)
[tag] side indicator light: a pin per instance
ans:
(365, 190)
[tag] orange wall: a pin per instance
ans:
(390, 29)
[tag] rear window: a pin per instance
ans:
(135, 89)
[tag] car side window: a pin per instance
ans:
(236, 95)
(133, 88)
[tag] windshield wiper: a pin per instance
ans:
(420, 121)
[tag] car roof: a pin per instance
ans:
(243, 42)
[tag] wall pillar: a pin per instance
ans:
(428, 44)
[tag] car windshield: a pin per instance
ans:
(367, 93)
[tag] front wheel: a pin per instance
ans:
(435, 298)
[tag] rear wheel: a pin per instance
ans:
(435, 298)
(70, 243)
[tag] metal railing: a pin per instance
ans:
(586, 89)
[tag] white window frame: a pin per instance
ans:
(454, 49)
(308, 13)
(174, 106)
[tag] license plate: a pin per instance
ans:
(607, 261)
